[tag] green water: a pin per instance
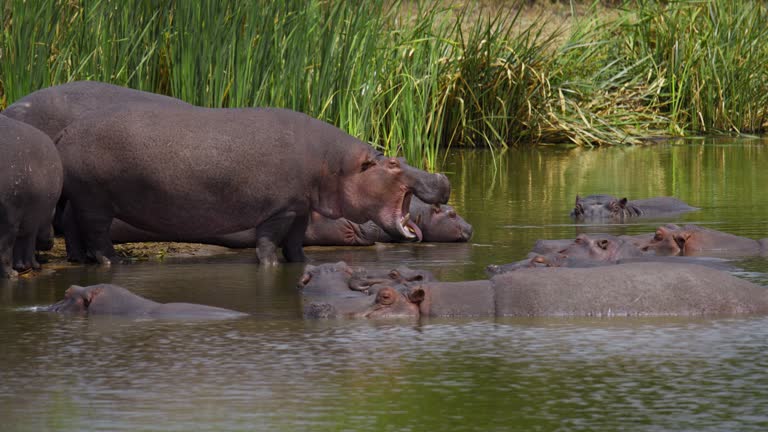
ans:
(275, 371)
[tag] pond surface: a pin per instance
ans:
(275, 371)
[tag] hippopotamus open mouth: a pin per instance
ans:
(407, 228)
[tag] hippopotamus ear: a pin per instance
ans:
(681, 238)
(417, 295)
(91, 294)
(623, 202)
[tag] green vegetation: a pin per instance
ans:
(411, 78)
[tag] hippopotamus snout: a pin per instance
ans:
(430, 188)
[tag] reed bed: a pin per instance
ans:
(415, 78)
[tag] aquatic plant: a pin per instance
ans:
(414, 78)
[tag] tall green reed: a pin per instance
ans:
(413, 78)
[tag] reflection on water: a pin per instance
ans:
(274, 371)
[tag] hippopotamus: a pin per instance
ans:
(694, 240)
(338, 289)
(191, 172)
(53, 108)
(584, 251)
(431, 223)
(556, 259)
(635, 289)
(30, 184)
(602, 208)
(435, 223)
(108, 299)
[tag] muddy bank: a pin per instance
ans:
(149, 251)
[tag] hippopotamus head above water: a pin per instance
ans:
(694, 240)
(608, 208)
(338, 290)
(603, 207)
(633, 289)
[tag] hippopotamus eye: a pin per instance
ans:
(451, 214)
(367, 164)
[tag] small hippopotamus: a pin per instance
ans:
(107, 299)
(633, 289)
(30, 184)
(608, 208)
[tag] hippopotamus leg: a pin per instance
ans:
(24, 253)
(293, 241)
(92, 244)
(7, 238)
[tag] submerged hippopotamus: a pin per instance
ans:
(30, 184)
(431, 223)
(694, 240)
(636, 289)
(107, 299)
(584, 251)
(190, 173)
(602, 208)
(338, 290)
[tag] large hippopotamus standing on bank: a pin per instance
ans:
(636, 289)
(30, 184)
(608, 208)
(190, 172)
(432, 223)
(107, 299)
(53, 108)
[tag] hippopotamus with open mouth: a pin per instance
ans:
(190, 173)
(107, 299)
(608, 208)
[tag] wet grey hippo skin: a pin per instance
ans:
(668, 241)
(694, 240)
(30, 184)
(584, 251)
(107, 299)
(435, 223)
(636, 289)
(608, 208)
(191, 173)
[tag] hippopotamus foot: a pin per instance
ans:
(24, 254)
(266, 250)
